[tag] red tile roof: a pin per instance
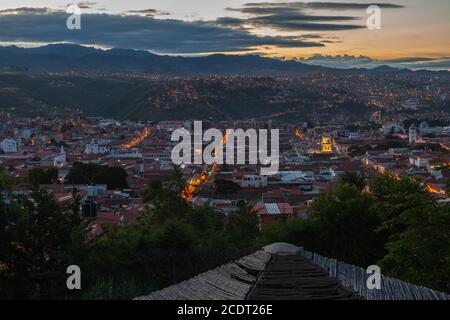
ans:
(273, 208)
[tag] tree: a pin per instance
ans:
(152, 191)
(394, 197)
(114, 177)
(293, 231)
(37, 176)
(82, 173)
(421, 253)
(447, 187)
(176, 238)
(75, 206)
(357, 151)
(44, 240)
(6, 181)
(90, 173)
(398, 226)
(170, 242)
(223, 186)
(354, 178)
(341, 225)
(242, 227)
(417, 230)
(165, 199)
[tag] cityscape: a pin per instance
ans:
(94, 206)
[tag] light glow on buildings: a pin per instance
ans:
(137, 140)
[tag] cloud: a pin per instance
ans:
(86, 4)
(283, 23)
(147, 12)
(290, 22)
(349, 61)
(137, 32)
(319, 5)
(408, 59)
(297, 16)
(330, 41)
(141, 29)
(27, 10)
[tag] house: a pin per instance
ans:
(421, 160)
(172, 125)
(10, 145)
(268, 213)
(95, 148)
(253, 181)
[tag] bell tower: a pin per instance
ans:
(327, 146)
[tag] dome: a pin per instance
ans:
(281, 247)
(424, 125)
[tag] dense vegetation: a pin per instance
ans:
(396, 225)
(222, 186)
(38, 240)
(37, 176)
(170, 242)
(91, 173)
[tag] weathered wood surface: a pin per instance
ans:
(294, 277)
(356, 278)
(228, 282)
(304, 276)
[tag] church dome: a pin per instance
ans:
(424, 125)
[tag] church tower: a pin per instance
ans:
(412, 134)
(327, 146)
(60, 160)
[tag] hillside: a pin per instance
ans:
(142, 98)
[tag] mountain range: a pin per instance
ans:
(103, 83)
(68, 57)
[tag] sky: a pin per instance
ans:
(413, 33)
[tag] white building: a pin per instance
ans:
(26, 134)
(412, 134)
(353, 135)
(426, 129)
(420, 161)
(106, 122)
(131, 154)
(254, 181)
(61, 159)
(10, 145)
(411, 104)
(173, 125)
(94, 148)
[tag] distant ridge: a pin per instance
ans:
(68, 57)
(73, 57)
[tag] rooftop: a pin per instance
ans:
(284, 271)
